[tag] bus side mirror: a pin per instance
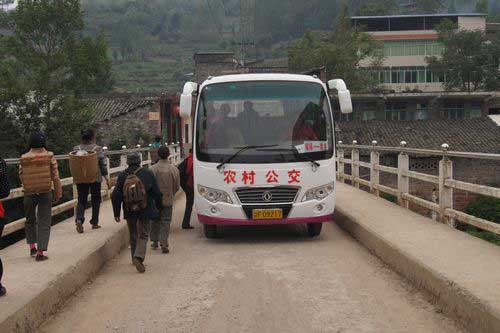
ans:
(343, 93)
(187, 99)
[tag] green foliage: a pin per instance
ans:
(470, 60)
(389, 197)
(429, 6)
(485, 235)
(482, 6)
(379, 7)
(486, 208)
(341, 52)
(45, 65)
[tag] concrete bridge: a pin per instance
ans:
(377, 267)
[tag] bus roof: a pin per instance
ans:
(261, 77)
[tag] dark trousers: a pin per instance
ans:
(189, 207)
(83, 194)
(1, 266)
(160, 228)
(139, 236)
(38, 209)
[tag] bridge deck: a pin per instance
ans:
(34, 289)
(462, 271)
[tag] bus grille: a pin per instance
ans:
(267, 195)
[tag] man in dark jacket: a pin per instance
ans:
(4, 192)
(138, 222)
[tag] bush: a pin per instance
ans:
(486, 208)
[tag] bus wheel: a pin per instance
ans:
(210, 230)
(314, 229)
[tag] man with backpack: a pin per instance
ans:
(187, 184)
(167, 177)
(137, 190)
(89, 144)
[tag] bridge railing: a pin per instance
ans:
(442, 202)
(175, 157)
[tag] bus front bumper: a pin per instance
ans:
(204, 219)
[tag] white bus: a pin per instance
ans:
(263, 149)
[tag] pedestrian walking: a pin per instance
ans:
(39, 175)
(88, 144)
(137, 191)
(167, 177)
(187, 184)
(4, 192)
(157, 143)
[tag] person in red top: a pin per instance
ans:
(187, 184)
(4, 192)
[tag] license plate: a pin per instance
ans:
(267, 214)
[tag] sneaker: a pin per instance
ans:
(96, 226)
(165, 250)
(139, 265)
(33, 252)
(187, 227)
(79, 227)
(41, 257)
(3, 291)
(154, 245)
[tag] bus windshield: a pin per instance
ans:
(293, 116)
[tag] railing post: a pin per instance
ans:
(108, 168)
(123, 157)
(140, 153)
(341, 171)
(355, 165)
(403, 180)
(374, 173)
(445, 193)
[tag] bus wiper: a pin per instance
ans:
(296, 154)
(241, 150)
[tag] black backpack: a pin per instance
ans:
(183, 174)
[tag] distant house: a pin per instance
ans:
(133, 119)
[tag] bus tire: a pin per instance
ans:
(210, 231)
(314, 229)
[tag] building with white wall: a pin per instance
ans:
(408, 40)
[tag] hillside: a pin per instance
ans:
(152, 41)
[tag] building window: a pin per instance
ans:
(395, 111)
(422, 112)
(453, 110)
(413, 48)
(412, 74)
(369, 115)
(475, 110)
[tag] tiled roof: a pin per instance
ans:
(113, 105)
(473, 135)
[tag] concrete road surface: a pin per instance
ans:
(258, 279)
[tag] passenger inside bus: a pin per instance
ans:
(220, 131)
(249, 120)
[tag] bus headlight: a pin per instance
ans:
(214, 195)
(318, 193)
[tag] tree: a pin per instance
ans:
(482, 6)
(429, 6)
(46, 65)
(342, 52)
(379, 7)
(469, 61)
